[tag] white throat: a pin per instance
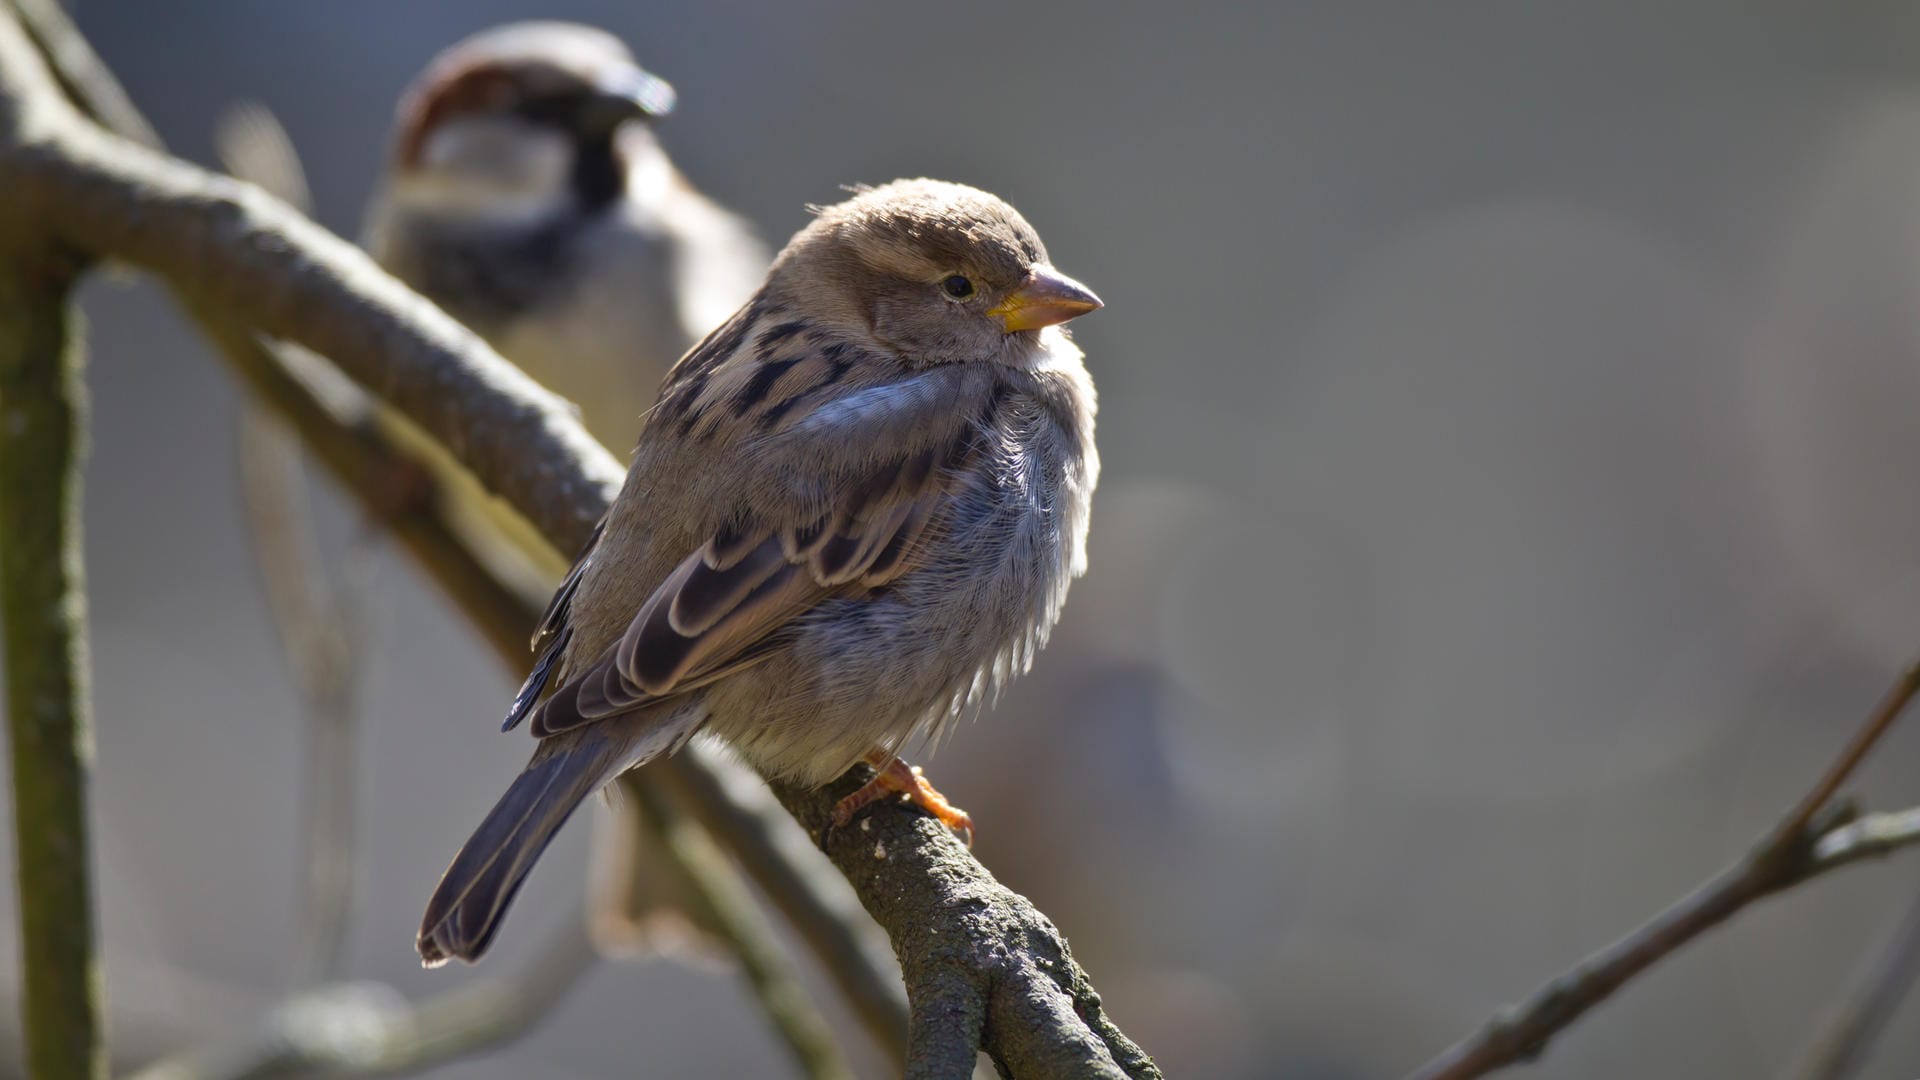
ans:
(498, 169)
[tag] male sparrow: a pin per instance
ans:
(853, 513)
(528, 196)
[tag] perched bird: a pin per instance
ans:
(529, 197)
(853, 513)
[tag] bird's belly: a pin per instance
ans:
(908, 661)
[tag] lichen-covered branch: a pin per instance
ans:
(237, 251)
(1815, 836)
(984, 968)
(43, 610)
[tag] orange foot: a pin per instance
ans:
(896, 777)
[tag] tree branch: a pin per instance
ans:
(237, 250)
(319, 628)
(319, 624)
(984, 968)
(1846, 1040)
(724, 903)
(43, 607)
(367, 1028)
(736, 807)
(1816, 836)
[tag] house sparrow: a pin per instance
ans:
(853, 514)
(528, 196)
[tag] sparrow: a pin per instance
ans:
(528, 195)
(852, 516)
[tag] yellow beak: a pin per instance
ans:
(1046, 298)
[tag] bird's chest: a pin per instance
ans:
(993, 580)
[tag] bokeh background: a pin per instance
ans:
(1510, 414)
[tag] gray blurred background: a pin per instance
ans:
(1510, 415)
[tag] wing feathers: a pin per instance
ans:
(725, 605)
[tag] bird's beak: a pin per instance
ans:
(1046, 298)
(628, 93)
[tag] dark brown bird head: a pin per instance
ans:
(526, 109)
(941, 272)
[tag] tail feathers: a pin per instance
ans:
(474, 894)
(476, 890)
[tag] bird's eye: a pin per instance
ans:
(958, 287)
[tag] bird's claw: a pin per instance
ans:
(908, 784)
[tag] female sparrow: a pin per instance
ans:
(853, 513)
(528, 196)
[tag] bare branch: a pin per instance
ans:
(964, 940)
(1874, 836)
(984, 968)
(734, 804)
(43, 609)
(724, 903)
(1865, 738)
(367, 1029)
(1816, 836)
(318, 626)
(80, 72)
(1846, 1041)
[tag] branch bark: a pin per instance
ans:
(43, 607)
(984, 968)
(1815, 836)
(1000, 972)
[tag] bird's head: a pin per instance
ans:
(516, 119)
(939, 272)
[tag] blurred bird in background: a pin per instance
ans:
(528, 195)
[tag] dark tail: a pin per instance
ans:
(476, 890)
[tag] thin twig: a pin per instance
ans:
(368, 1029)
(43, 608)
(318, 627)
(723, 902)
(1816, 836)
(1865, 738)
(1846, 1041)
(735, 805)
